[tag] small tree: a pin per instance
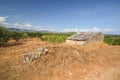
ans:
(16, 35)
(4, 35)
(25, 35)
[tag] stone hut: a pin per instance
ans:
(83, 38)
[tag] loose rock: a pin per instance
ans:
(29, 56)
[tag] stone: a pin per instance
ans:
(84, 38)
(29, 56)
(45, 51)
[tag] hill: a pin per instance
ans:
(26, 30)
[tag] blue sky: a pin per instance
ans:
(62, 15)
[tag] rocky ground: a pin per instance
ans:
(95, 61)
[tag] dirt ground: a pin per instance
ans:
(95, 61)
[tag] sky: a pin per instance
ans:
(62, 15)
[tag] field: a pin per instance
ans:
(95, 61)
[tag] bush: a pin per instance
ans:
(56, 37)
(4, 35)
(34, 34)
(16, 35)
(112, 39)
(24, 35)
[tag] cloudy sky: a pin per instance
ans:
(62, 15)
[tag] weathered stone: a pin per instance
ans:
(45, 51)
(85, 38)
(40, 49)
(29, 56)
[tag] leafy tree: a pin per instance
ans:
(16, 35)
(34, 34)
(24, 35)
(4, 35)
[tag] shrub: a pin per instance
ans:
(34, 34)
(24, 35)
(4, 35)
(16, 35)
(112, 39)
(56, 37)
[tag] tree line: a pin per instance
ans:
(6, 35)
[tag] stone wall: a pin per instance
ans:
(94, 38)
(73, 42)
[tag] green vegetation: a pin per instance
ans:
(56, 38)
(112, 39)
(34, 34)
(6, 35)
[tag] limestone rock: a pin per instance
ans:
(29, 56)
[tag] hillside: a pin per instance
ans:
(95, 61)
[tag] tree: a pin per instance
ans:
(4, 35)
(16, 35)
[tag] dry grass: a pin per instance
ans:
(95, 61)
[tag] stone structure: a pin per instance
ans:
(85, 37)
(29, 56)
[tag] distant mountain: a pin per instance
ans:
(112, 34)
(25, 30)
(16, 29)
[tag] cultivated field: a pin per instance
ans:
(95, 61)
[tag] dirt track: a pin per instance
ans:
(96, 61)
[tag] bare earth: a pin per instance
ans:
(95, 61)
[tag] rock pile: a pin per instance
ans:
(29, 56)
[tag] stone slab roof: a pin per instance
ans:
(83, 36)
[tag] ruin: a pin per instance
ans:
(84, 38)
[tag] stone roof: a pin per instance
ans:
(83, 36)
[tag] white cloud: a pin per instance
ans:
(28, 25)
(19, 25)
(94, 29)
(3, 19)
(24, 25)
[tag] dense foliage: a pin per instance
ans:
(6, 35)
(112, 39)
(56, 38)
